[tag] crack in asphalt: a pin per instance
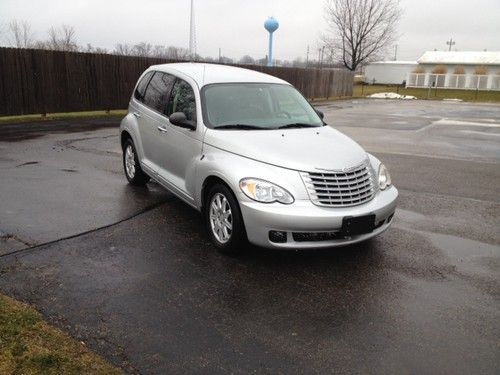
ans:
(38, 246)
(10, 236)
(69, 145)
(120, 353)
(27, 163)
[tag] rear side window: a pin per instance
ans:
(182, 100)
(141, 87)
(158, 91)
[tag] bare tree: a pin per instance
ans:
(226, 60)
(62, 39)
(142, 49)
(360, 30)
(21, 35)
(91, 49)
(101, 50)
(40, 44)
(247, 60)
(53, 41)
(262, 61)
(159, 51)
(177, 53)
(298, 63)
(123, 49)
(68, 38)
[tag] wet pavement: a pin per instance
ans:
(131, 271)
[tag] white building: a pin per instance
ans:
(443, 69)
(389, 72)
(457, 70)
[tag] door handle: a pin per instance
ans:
(136, 114)
(162, 129)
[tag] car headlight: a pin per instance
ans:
(264, 191)
(384, 178)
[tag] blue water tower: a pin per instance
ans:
(271, 25)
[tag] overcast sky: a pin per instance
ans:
(236, 26)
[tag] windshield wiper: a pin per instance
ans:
(240, 127)
(296, 125)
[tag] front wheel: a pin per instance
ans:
(133, 171)
(223, 220)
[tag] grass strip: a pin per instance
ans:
(62, 116)
(29, 345)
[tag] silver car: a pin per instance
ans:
(248, 151)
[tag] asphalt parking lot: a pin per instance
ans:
(131, 272)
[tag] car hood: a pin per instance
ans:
(303, 149)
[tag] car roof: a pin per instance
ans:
(206, 74)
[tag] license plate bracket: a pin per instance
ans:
(356, 225)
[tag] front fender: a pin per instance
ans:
(231, 168)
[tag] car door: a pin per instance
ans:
(152, 117)
(181, 147)
(136, 108)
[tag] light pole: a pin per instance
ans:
(450, 43)
(322, 57)
(192, 34)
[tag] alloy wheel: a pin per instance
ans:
(130, 161)
(221, 218)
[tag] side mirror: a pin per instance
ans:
(320, 114)
(179, 119)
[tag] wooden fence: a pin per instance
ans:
(39, 81)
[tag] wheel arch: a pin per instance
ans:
(208, 182)
(124, 136)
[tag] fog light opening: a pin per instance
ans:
(277, 236)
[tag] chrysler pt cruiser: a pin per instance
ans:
(248, 151)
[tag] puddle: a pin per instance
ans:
(32, 130)
(467, 255)
(410, 216)
(462, 248)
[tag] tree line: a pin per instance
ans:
(19, 34)
(359, 31)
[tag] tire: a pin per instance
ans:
(131, 166)
(227, 240)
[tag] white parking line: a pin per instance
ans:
(447, 121)
(481, 133)
(488, 123)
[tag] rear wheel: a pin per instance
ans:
(133, 171)
(223, 220)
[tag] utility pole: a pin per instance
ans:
(321, 56)
(220, 55)
(395, 52)
(307, 56)
(450, 43)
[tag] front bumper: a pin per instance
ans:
(304, 217)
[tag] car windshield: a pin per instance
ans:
(249, 106)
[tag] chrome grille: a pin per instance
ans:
(339, 188)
